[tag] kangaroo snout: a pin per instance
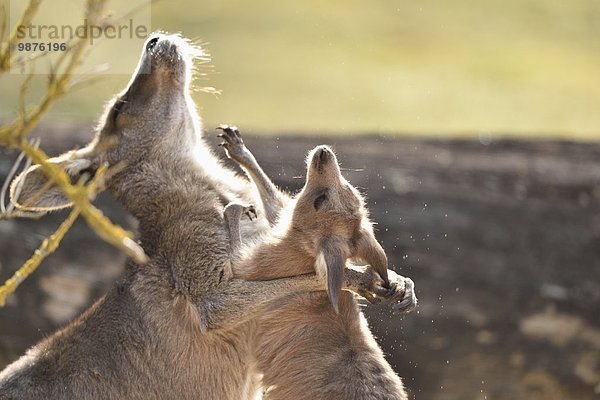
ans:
(169, 56)
(165, 52)
(322, 157)
(323, 154)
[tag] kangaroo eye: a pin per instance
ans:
(320, 200)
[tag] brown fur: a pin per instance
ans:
(302, 338)
(178, 327)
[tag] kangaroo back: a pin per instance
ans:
(308, 351)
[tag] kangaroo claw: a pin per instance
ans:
(250, 212)
(409, 299)
(233, 143)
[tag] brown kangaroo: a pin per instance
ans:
(179, 326)
(321, 227)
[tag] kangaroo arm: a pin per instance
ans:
(238, 300)
(273, 199)
(232, 214)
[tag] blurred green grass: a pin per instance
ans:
(431, 67)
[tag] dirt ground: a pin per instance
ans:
(500, 237)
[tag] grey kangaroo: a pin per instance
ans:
(321, 227)
(179, 326)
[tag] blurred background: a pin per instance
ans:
(460, 67)
(473, 128)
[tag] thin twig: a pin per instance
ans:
(80, 196)
(3, 22)
(47, 247)
(8, 211)
(11, 134)
(14, 135)
(9, 177)
(14, 38)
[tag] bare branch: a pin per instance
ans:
(9, 211)
(47, 247)
(3, 22)
(80, 196)
(61, 79)
(13, 40)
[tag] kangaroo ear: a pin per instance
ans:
(370, 251)
(33, 191)
(331, 263)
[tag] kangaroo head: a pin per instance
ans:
(333, 222)
(154, 117)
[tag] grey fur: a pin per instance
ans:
(181, 326)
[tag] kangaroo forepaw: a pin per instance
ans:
(399, 291)
(234, 211)
(233, 143)
(408, 299)
(250, 212)
(368, 284)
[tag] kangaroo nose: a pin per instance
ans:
(151, 43)
(323, 154)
